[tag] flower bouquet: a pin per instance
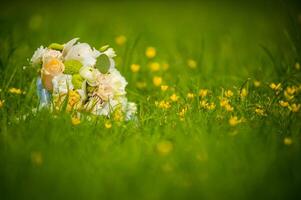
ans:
(79, 78)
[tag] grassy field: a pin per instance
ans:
(218, 105)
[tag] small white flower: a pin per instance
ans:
(62, 84)
(38, 55)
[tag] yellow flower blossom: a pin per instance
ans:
(243, 93)
(257, 83)
(228, 107)
(164, 148)
(108, 125)
(275, 87)
(297, 66)
(174, 97)
(203, 93)
(15, 91)
(141, 85)
(260, 111)
(290, 90)
(190, 95)
(206, 105)
(211, 106)
(1, 103)
(191, 63)
(120, 40)
(283, 103)
(118, 115)
(224, 102)
(36, 158)
(182, 113)
(294, 107)
(165, 66)
(164, 87)
(157, 80)
(233, 121)
(75, 120)
(287, 141)
(164, 104)
(150, 52)
(228, 93)
(154, 66)
(135, 68)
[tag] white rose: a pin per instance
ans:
(38, 55)
(83, 53)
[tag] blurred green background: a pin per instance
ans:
(45, 157)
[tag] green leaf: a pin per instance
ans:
(103, 63)
(56, 46)
(104, 48)
(72, 66)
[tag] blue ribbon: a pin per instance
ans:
(43, 94)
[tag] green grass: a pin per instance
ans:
(44, 156)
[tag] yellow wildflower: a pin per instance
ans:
(154, 66)
(233, 121)
(224, 102)
(290, 90)
(243, 93)
(257, 83)
(118, 115)
(211, 106)
(164, 104)
(191, 63)
(287, 141)
(283, 103)
(164, 147)
(120, 40)
(260, 111)
(174, 97)
(228, 107)
(141, 85)
(150, 52)
(1, 103)
(297, 66)
(165, 66)
(108, 124)
(164, 87)
(274, 86)
(190, 95)
(135, 68)
(15, 91)
(294, 107)
(203, 93)
(228, 93)
(157, 80)
(36, 158)
(75, 120)
(204, 104)
(287, 96)
(182, 113)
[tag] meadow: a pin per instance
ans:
(218, 90)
